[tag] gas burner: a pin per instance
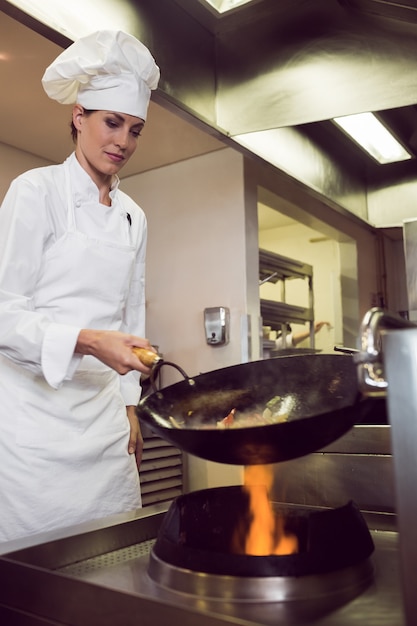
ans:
(193, 553)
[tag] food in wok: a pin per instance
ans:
(275, 411)
(313, 400)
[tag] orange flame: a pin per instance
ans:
(266, 534)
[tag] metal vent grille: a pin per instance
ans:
(161, 470)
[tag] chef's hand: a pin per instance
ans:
(135, 445)
(113, 348)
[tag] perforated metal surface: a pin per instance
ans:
(104, 561)
(126, 571)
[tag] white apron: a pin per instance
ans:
(65, 450)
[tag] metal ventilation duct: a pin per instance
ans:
(315, 61)
(405, 10)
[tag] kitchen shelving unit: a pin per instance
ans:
(278, 269)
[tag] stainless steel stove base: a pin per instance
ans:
(342, 583)
(101, 578)
(369, 595)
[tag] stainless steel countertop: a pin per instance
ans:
(100, 577)
(379, 604)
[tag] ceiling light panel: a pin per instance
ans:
(221, 6)
(371, 135)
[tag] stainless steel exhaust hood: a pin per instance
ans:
(272, 64)
(283, 66)
(316, 61)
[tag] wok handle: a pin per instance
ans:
(157, 367)
(147, 357)
(345, 350)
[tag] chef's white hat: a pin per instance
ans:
(107, 70)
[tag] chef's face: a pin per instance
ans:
(105, 140)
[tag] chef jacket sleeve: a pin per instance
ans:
(28, 337)
(281, 345)
(134, 313)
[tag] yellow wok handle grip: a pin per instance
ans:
(147, 357)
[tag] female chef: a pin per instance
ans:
(72, 254)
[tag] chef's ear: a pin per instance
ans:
(77, 115)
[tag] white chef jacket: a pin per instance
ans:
(63, 425)
(33, 217)
(281, 345)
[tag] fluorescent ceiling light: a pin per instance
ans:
(81, 17)
(222, 6)
(367, 131)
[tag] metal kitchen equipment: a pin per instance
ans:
(200, 550)
(100, 574)
(372, 380)
(316, 396)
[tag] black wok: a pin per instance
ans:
(316, 393)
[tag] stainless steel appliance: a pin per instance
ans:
(101, 577)
(100, 574)
(111, 573)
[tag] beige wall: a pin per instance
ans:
(196, 259)
(15, 162)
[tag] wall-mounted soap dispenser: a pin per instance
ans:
(216, 323)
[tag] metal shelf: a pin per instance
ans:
(275, 268)
(275, 314)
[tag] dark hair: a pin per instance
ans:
(74, 130)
